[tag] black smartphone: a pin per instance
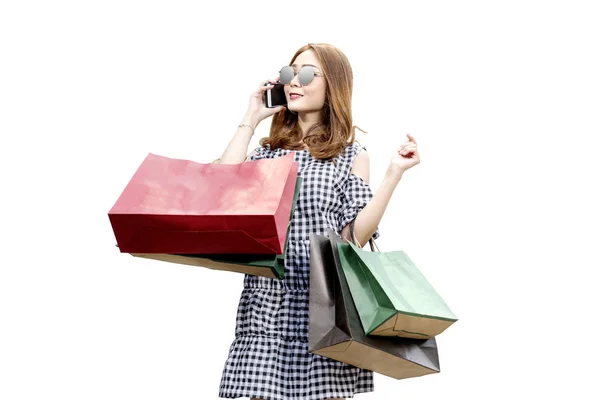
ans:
(275, 97)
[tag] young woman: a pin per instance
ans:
(269, 358)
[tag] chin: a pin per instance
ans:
(294, 108)
(300, 108)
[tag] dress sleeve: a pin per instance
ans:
(357, 194)
(259, 153)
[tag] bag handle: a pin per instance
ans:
(353, 236)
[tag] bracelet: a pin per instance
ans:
(241, 125)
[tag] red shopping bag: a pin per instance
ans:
(184, 207)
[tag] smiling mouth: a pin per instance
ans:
(295, 96)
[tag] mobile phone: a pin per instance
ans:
(275, 97)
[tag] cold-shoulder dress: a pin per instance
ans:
(269, 357)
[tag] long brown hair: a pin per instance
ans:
(335, 131)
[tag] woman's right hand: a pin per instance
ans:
(257, 110)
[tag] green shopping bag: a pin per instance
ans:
(269, 266)
(392, 296)
(251, 264)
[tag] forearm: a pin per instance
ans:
(236, 150)
(370, 216)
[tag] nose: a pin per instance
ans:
(295, 82)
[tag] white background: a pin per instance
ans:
(501, 214)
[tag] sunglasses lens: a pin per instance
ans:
(286, 75)
(306, 75)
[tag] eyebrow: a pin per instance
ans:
(303, 65)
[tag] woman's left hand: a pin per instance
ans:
(405, 157)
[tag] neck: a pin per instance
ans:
(308, 119)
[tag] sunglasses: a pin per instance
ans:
(305, 75)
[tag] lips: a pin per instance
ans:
(294, 96)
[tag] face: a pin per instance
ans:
(310, 97)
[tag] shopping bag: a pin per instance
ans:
(335, 330)
(183, 207)
(269, 266)
(392, 296)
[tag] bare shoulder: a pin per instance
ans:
(361, 165)
(362, 157)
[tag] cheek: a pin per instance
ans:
(318, 94)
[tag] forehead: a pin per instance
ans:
(307, 57)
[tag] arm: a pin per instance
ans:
(367, 220)
(370, 216)
(236, 150)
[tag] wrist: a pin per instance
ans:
(250, 120)
(394, 174)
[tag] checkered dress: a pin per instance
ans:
(269, 357)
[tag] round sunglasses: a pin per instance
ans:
(305, 75)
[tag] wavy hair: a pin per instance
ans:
(330, 136)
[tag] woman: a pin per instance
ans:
(269, 358)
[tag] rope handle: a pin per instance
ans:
(353, 236)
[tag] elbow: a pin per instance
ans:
(345, 234)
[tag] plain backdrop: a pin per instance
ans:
(501, 215)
